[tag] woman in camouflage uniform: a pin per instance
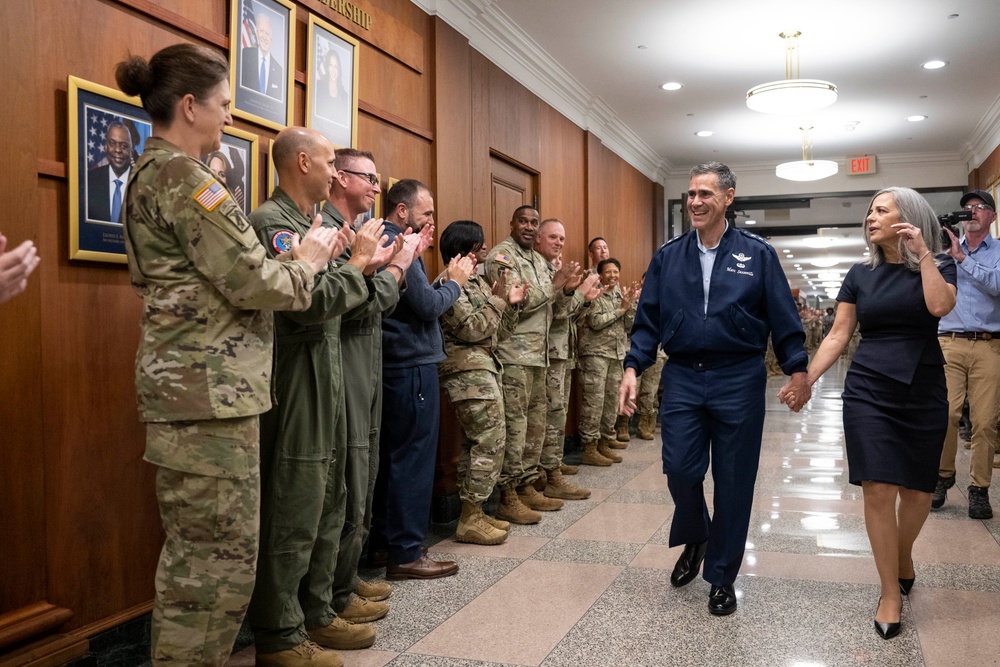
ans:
(470, 375)
(602, 343)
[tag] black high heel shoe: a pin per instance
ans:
(887, 630)
(906, 584)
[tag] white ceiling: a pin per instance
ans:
(584, 58)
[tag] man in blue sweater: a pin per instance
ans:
(412, 346)
(711, 298)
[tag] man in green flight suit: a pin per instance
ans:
(304, 435)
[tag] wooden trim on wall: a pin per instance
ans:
(173, 20)
(31, 621)
(393, 119)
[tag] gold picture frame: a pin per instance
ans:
(332, 106)
(253, 24)
(240, 170)
(107, 132)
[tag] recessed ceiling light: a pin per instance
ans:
(671, 85)
(750, 222)
(916, 119)
(704, 133)
(785, 250)
(934, 64)
(789, 256)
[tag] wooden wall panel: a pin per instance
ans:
(453, 139)
(563, 172)
(514, 119)
(22, 488)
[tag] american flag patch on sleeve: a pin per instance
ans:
(501, 258)
(211, 195)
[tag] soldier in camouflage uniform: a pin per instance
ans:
(204, 360)
(602, 346)
(470, 375)
(304, 437)
(598, 251)
(562, 360)
(646, 403)
(524, 357)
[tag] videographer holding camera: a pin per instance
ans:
(970, 341)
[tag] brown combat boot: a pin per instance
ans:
(473, 528)
(363, 610)
(558, 487)
(344, 636)
(568, 469)
(306, 654)
(540, 481)
(591, 457)
(621, 429)
(536, 501)
(499, 524)
(376, 591)
(647, 425)
(513, 510)
(604, 449)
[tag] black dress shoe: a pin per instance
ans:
(906, 584)
(689, 564)
(886, 630)
(722, 600)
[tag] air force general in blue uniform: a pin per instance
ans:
(711, 298)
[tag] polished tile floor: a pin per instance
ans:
(589, 585)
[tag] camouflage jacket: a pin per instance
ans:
(603, 327)
(473, 326)
(562, 332)
(528, 345)
(207, 287)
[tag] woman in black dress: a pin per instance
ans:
(895, 396)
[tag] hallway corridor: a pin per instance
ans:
(589, 585)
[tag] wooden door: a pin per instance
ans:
(511, 186)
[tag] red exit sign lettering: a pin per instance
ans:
(863, 165)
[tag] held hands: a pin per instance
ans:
(318, 245)
(460, 268)
(626, 393)
(15, 267)
(591, 287)
(796, 392)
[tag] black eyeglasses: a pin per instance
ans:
(371, 178)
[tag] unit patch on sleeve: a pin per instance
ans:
(282, 241)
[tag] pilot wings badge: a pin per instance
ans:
(741, 260)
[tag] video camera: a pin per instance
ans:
(949, 221)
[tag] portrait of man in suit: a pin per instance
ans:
(106, 184)
(262, 72)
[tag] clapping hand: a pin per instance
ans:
(460, 268)
(591, 287)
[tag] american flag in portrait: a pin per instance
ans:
(98, 120)
(248, 29)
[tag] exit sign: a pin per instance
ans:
(862, 165)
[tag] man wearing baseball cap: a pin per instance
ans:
(970, 340)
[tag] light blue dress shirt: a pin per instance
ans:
(707, 259)
(977, 304)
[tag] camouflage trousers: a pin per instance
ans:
(212, 520)
(557, 383)
(600, 379)
(524, 407)
(649, 384)
(478, 403)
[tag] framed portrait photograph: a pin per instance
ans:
(107, 132)
(262, 60)
(332, 83)
(235, 164)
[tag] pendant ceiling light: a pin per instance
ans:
(793, 95)
(806, 169)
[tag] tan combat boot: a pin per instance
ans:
(540, 481)
(604, 449)
(376, 591)
(568, 469)
(499, 524)
(558, 487)
(647, 425)
(473, 528)
(344, 636)
(621, 429)
(536, 501)
(307, 654)
(591, 457)
(513, 510)
(363, 610)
